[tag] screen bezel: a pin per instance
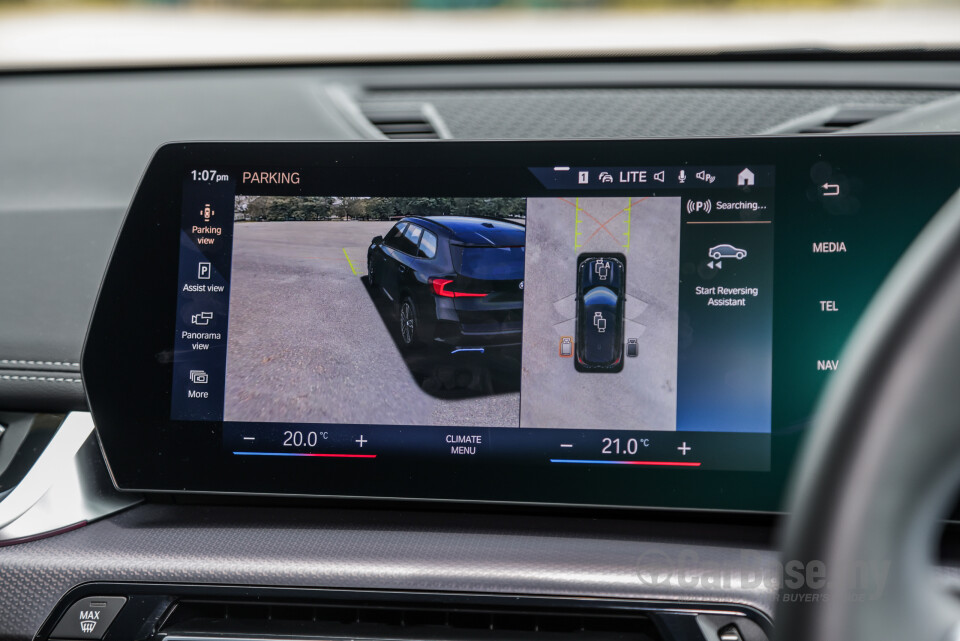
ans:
(127, 359)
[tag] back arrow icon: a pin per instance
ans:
(830, 190)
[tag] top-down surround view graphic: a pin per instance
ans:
(561, 234)
(439, 317)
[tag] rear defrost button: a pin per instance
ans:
(89, 618)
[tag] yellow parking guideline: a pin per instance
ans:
(349, 262)
(576, 227)
(627, 233)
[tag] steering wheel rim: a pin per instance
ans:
(881, 465)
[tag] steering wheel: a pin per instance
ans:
(881, 466)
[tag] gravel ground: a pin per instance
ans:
(306, 342)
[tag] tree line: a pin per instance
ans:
(275, 208)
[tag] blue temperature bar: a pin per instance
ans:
(305, 454)
(608, 462)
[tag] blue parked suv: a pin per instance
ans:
(453, 280)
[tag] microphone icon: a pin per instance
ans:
(682, 178)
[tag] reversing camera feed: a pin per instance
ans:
(410, 311)
(404, 311)
(601, 313)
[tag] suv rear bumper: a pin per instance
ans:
(455, 334)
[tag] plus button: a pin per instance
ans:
(684, 448)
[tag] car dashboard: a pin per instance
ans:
(139, 528)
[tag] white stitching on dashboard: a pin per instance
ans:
(19, 362)
(46, 379)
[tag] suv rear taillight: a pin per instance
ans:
(440, 288)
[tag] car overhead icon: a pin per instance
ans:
(600, 299)
(726, 251)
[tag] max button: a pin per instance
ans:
(89, 618)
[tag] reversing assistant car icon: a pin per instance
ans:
(726, 251)
(601, 297)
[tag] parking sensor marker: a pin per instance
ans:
(349, 262)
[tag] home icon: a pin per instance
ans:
(745, 177)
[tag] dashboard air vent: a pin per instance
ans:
(834, 120)
(845, 118)
(198, 619)
(405, 121)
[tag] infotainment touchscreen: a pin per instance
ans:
(317, 324)
(603, 323)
